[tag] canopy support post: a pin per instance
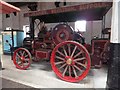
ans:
(113, 78)
(103, 26)
(31, 28)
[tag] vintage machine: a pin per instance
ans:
(70, 57)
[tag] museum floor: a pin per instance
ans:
(40, 75)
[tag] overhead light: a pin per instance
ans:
(15, 13)
(7, 15)
(57, 4)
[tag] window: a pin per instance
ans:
(26, 29)
(8, 28)
(80, 26)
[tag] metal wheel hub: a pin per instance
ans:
(62, 35)
(69, 60)
(22, 58)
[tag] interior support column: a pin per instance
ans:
(103, 26)
(31, 27)
(113, 79)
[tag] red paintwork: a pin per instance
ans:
(97, 48)
(88, 47)
(22, 58)
(76, 8)
(68, 78)
(60, 29)
(57, 43)
(37, 44)
(105, 53)
(42, 54)
(7, 8)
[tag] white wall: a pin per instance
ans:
(108, 18)
(1, 21)
(0, 36)
(23, 20)
(94, 27)
(115, 37)
(16, 22)
(119, 22)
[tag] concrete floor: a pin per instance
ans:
(11, 84)
(40, 75)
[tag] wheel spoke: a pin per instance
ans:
(77, 68)
(79, 59)
(60, 58)
(69, 70)
(19, 62)
(65, 51)
(63, 66)
(22, 63)
(26, 56)
(85, 63)
(65, 71)
(27, 59)
(23, 53)
(18, 55)
(69, 50)
(57, 63)
(25, 62)
(74, 72)
(78, 54)
(73, 51)
(60, 53)
(81, 64)
(18, 59)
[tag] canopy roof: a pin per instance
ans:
(89, 12)
(7, 8)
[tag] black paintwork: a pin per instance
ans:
(113, 79)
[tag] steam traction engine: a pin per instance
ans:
(69, 55)
(69, 59)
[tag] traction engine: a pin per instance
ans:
(66, 49)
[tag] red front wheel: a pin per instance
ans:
(70, 61)
(22, 58)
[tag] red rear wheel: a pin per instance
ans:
(70, 61)
(22, 58)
